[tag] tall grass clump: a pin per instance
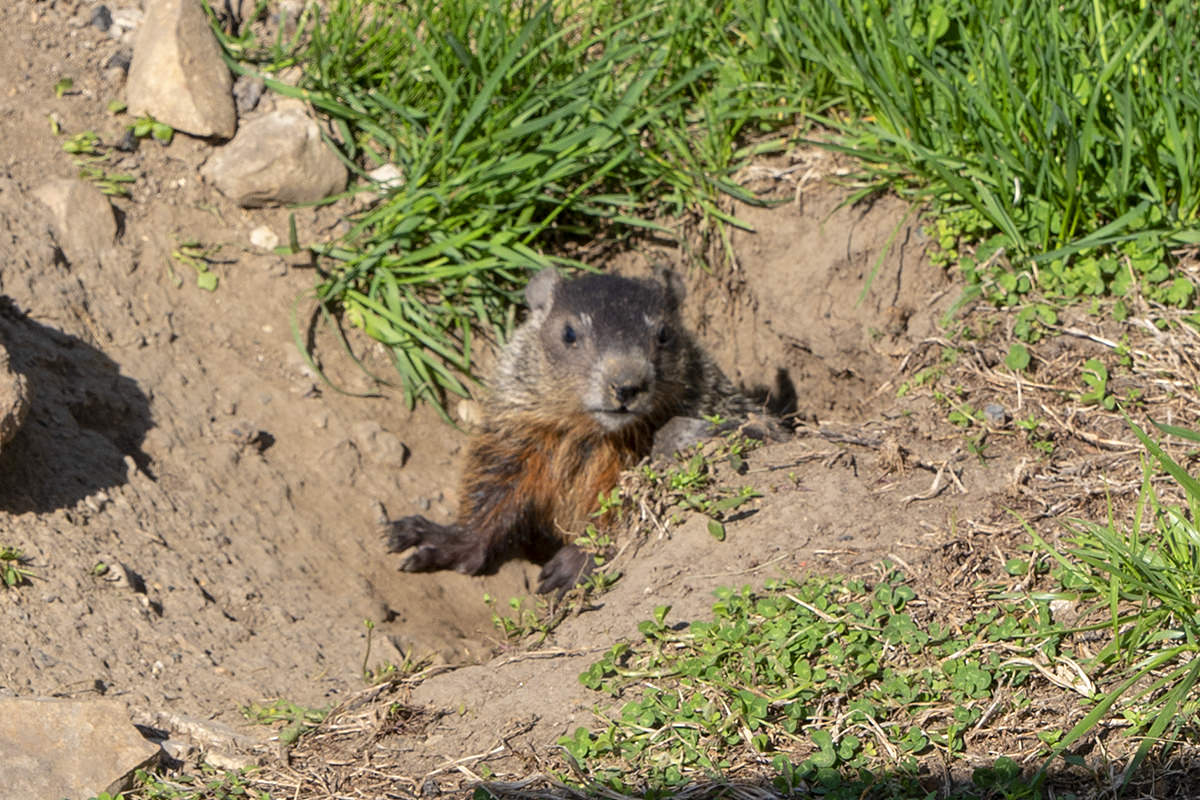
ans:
(1143, 582)
(514, 127)
(1068, 131)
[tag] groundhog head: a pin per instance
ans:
(611, 340)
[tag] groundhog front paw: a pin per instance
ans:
(569, 566)
(437, 546)
(427, 558)
(765, 428)
(401, 534)
(680, 433)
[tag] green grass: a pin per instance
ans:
(1143, 581)
(202, 783)
(1065, 132)
(297, 720)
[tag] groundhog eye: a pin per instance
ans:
(568, 334)
(664, 334)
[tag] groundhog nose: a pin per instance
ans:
(628, 392)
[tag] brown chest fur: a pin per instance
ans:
(545, 478)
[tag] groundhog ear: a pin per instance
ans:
(672, 285)
(540, 289)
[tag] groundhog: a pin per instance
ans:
(598, 369)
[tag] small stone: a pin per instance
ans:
(124, 22)
(177, 750)
(247, 91)
(120, 60)
(81, 217)
(387, 178)
(123, 577)
(275, 159)
(101, 18)
(1064, 612)
(178, 75)
(469, 413)
(264, 238)
(383, 179)
(215, 739)
(128, 143)
(14, 399)
(343, 460)
(380, 446)
(995, 414)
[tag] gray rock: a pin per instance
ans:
(14, 399)
(124, 22)
(995, 414)
(177, 75)
(68, 748)
(380, 446)
(81, 218)
(277, 158)
(223, 747)
(101, 18)
(247, 91)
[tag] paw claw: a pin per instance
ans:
(425, 559)
(566, 569)
(401, 534)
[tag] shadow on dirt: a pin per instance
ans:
(1004, 779)
(84, 419)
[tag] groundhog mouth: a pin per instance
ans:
(613, 419)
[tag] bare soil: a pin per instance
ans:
(202, 510)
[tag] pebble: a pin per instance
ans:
(264, 238)
(102, 18)
(247, 91)
(995, 414)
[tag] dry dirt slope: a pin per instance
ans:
(178, 433)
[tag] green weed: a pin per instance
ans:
(145, 127)
(760, 680)
(14, 567)
(200, 258)
(689, 485)
(1031, 425)
(207, 783)
(297, 720)
(381, 673)
(1095, 377)
(1018, 358)
(524, 622)
(91, 157)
